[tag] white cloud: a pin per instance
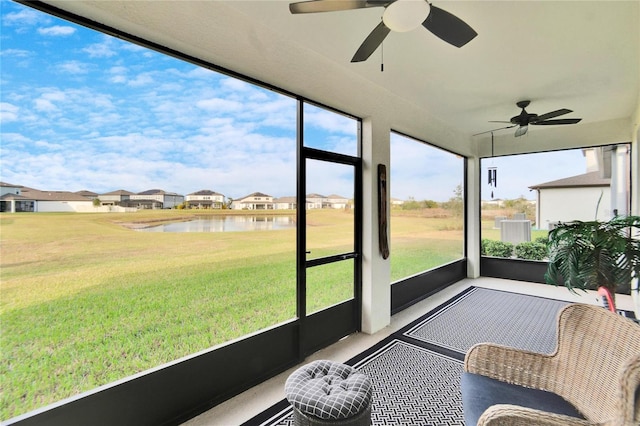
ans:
(44, 105)
(25, 17)
(131, 47)
(54, 95)
(73, 67)
(46, 101)
(330, 121)
(235, 85)
(102, 101)
(117, 70)
(117, 74)
(18, 53)
(220, 105)
(143, 79)
(119, 79)
(57, 30)
(104, 49)
(13, 145)
(201, 73)
(8, 112)
(48, 146)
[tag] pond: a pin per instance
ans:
(226, 224)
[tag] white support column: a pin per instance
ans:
(635, 170)
(472, 225)
(376, 271)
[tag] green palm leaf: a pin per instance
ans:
(587, 255)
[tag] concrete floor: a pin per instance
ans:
(257, 399)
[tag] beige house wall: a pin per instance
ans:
(567, 204)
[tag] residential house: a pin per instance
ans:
(285, 203)
(592, 195)
(114, 198)
(581, 197)
(396, 202)
(255, 201)
(205, 199)
(55, 201)
(338, 202)
(12, 201)
(317, 201)
(154, 199)
(87, 194)
(9, 188)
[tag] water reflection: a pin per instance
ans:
(226, 224)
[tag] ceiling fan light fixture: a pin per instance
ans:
(405, 15)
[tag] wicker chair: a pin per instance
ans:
(595, 367)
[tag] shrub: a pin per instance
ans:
(531, 250)
(542, 240)
(496, 248)
(483, 246)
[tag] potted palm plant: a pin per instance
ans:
(596, 255)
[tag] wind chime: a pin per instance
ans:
(493, 172)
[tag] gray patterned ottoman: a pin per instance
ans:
(329, 393)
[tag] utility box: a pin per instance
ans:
(497, 220)
(515, 231)
(519, 216)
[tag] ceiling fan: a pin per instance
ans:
(524, 119)
(400, 16)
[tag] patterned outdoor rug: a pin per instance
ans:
(482, 315)
(416, 371)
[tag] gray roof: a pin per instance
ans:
(119, 192)
(87, 193)
(156, 192)
(205, 192)
(585, 180)
(13, 197)
(5, 184)
(35, 194)
(291, 199)
(151, 192)
(255, 194)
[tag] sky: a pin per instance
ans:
(80, 110)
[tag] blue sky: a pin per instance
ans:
(82, 110)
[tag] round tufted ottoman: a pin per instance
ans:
(329, 393)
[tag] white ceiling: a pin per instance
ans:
(559, 54)
(580, 55)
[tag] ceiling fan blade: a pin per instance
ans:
(315, 6)
(521, 130)
(552, 114)
(560, 121)
(449, 27)
(371, 43)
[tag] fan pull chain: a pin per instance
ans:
(381, 57)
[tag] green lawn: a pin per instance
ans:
(86, 301)
(419, 243)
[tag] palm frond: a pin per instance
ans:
(587, 255)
